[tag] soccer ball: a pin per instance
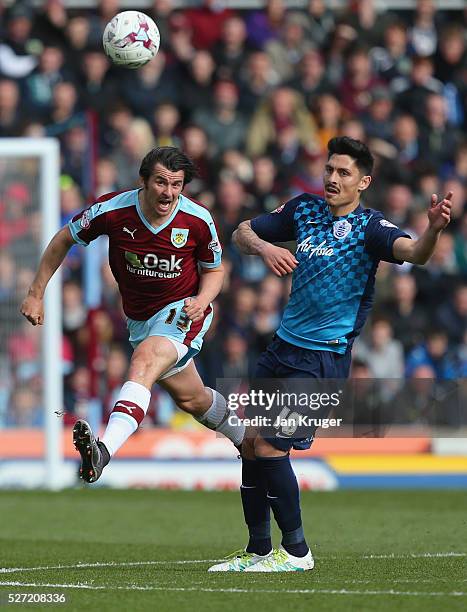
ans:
(131, 39)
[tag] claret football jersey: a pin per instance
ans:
(153, 266)
(333, 284)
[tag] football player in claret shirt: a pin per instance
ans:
(165, 255)
(339, 246)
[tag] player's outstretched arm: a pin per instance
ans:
(279, 260)
(420, 251)
(210, 286)
(33, 304)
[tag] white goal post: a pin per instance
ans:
(46, 151)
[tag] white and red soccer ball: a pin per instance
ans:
(131, 39)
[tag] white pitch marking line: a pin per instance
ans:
(13, 570)
(415, 555)
(135, 587)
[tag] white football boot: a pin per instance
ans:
(239, 561)
(281, 561)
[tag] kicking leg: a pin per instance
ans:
(151, 358)
(205, 404)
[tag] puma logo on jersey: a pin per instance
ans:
(131, 232)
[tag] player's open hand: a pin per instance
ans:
(193, 309)
(33, 309)
(279, 260)
(439, 213)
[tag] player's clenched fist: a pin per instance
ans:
(33, 309)
(279, 260)
(193, 309)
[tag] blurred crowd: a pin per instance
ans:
(252, 97)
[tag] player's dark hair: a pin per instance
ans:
(171, 158)
(356, 149)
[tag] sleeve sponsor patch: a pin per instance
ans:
(278, 209)
(386, 223)
(214, 246)
(85, 220)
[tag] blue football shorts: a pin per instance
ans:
(171, 322)
(282, 360)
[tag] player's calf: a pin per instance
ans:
(216, 417)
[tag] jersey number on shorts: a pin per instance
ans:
(183, 322)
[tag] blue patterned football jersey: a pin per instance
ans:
(333, 284)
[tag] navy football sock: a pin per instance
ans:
(255, 508)
(284, 497)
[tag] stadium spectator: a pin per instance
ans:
(438, 139)
(282, 114)
(18, 51)
(165, 123)
(452, 316)
(196, 146)
(11, 117)
(336, 50)
(161, 12)
(378, 118)
(412, 91)
(382, 353)
(423, 35)
(198, 79)
(320, 22)
(231, 51)
(405, 139)
(450, 66)
(39, 86)
(358, 82)
(368, 23)
(155, 82)
(312, 80)
(223, 123)
(265, 186)
(408, 318)
(235, 205)
(97, 88)
(136, 139)
(257, 81)
(397, 203)
(392, 60)
(434, 353)
(287, 51)
(263, 26)
(207, 22)
(327, 111)
(106, 177)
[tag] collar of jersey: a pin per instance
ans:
(356, 211)
(156, 230)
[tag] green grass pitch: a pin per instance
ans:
(374, 550)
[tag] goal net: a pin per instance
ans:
(30, 357)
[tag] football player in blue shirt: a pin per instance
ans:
(339, 246)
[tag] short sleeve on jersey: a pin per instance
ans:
(278, 225)
(88, 225)
(209, 250)
(380, 235)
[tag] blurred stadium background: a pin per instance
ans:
(252, 92)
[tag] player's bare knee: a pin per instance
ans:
(263, 448)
